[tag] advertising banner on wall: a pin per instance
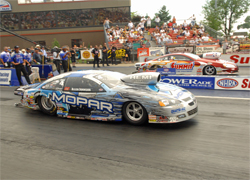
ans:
(232, 83)
(5, 77)
(239, 59)
(142, 52)
(209, 48)
(195, 82)
(86, 54)
(5, 6)
(181, 49)
(157, 51)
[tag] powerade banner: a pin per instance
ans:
(190, 82)
(5, 77)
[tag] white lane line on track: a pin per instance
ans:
(217, 97)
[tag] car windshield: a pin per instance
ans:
(193, 56)
(111, 79)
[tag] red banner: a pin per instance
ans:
(142, 52)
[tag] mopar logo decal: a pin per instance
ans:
(175, 111)
(75, 100)
(227, 83)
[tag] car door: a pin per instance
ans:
(182, 64)
(84, 90)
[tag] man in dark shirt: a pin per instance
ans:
(95, 53)
(127, 54)
(37, 56)
(73, 57)
(113, 55)
(105, 54)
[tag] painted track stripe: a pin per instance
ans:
(217, 97)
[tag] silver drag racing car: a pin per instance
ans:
(110, 96)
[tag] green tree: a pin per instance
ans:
(163, 15)
(246, 24)
(135, 17)
(223, 15)
(55, 43)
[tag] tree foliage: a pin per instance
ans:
(135, 17)
(225, 15)
(163, 15)
(55, 43)
(246, 24)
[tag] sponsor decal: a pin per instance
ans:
(80, 89)
(166, 71)
(190, 82)
(142, 52)
(5, 77)
(245, 83)
(5, 6)
(162, 119)
(175, 111)
(152, 118)
(227, 83)
(141, 77)
(182, 66)
(240, 59)
(66, 88)
(76, 100)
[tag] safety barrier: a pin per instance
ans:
(209, 82)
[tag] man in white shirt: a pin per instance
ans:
(193, 20)
(205, 38)
(148, 22)
(56, 59)
(143, 19)
(157, 21)
(186, 32)
(142, 25)
(185, 24)
(130, 25)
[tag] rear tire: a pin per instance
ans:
(134, 113)
(47, 105)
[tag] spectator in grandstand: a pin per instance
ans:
(5, 58)
(157, 21)
(192, 41)
(185, 24)
(193, 20)
(37, 57)
(174, 21)
(56, 59)
(106, 23)
(170, 24)
(44, 54)
(186, 32)
(148, 23)
(130, 25)
(205, 37)
(142, 25)
(113, 54)
(64, 55)
(127, 54)
(95, 53)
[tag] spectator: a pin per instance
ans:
(185, 24)
(27, 56)
(73, 57)
(18, 61)
(44, 53)
(148, 23)
(170, 24)
(127, 54)
(193, 20)
(186, 32)
(106, 23)
(142, 25)
(5, 58)
(105, 55)
(174, 21)
(143, 19)
(130, 25)
(37, 57)
(96, 54)
(225, 44)
(192, 41)
(157, 21)
(56, 59)
(64, 55)
(113, 54)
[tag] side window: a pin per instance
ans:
(80, 84)
(54, 85)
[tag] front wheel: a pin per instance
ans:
(135, 113)
(46, 105)
(209, 70)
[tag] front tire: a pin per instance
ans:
(209, 70)
(135, 113)
(47, 105)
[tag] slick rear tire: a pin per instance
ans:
(135, 113)
(46, 105)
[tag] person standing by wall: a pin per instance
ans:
(56, 59)
(105, 55)
(27, 56)
(106, 23)
(73, 57)
(127, 54)
(64, 55)
(5, 58)
(37, 57)
(18, 60)
(148, 23)
(95, 53)
(113, 55)
(157, 21)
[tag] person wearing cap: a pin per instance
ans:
(56, 60)
(95, 53)
(18, 61)
(37, 57)
(27, 56)
(64, 54)
(5, 58)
